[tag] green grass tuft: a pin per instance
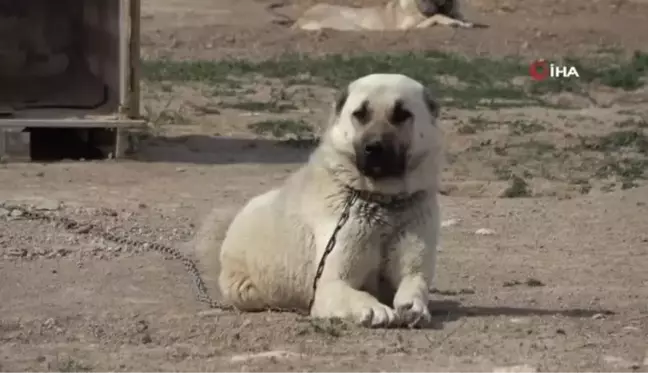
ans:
(480, 81)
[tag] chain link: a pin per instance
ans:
(346, 212)
(202, 294)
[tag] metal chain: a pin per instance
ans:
(202, 295)
(346, 212)
(75, 227)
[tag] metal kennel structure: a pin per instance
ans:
(69, 78)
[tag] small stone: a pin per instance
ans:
(619, 362)
(141, 326)
(266, 355)
(4, 212)
(83, 229)
(18, 253)
(47, 205)
(484, 232)
(508, 284)
(450, 223)
(63, 252)
(598, 316)
(49, 323)
(16, 213)
(532, 282)
(210, 312)
(524, 368)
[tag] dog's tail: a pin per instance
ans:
(207, 246)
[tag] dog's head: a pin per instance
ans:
(384, 126)
(431, 7)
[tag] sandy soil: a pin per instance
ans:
(544, 28)
(559, 284)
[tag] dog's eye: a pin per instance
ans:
(399, 114)
(361, 114)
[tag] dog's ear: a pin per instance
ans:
(337, 105)
(432, 104)
(340, 100)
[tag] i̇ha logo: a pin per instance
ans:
(542, 69)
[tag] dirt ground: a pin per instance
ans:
(559, 283)
(543, 28)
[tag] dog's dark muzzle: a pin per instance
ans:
(380, 159)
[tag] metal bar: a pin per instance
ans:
(135, 58)
(124, 56)
(73, 123)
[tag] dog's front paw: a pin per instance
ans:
(357, 306)
(377, 315)
(413, 312)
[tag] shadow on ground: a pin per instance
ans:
(447, 311)
(200, 149)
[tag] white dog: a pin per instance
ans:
(396, 15)
(383, 146)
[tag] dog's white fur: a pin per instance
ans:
(273, 246)
(395, 15)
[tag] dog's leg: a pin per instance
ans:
(411, 300)
(380, 287)
(411, 267)
(337, 299)
(442, 19)
(345, 271)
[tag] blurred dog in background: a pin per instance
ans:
(396, 15)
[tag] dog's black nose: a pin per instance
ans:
(378, 159)
(373, 149)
